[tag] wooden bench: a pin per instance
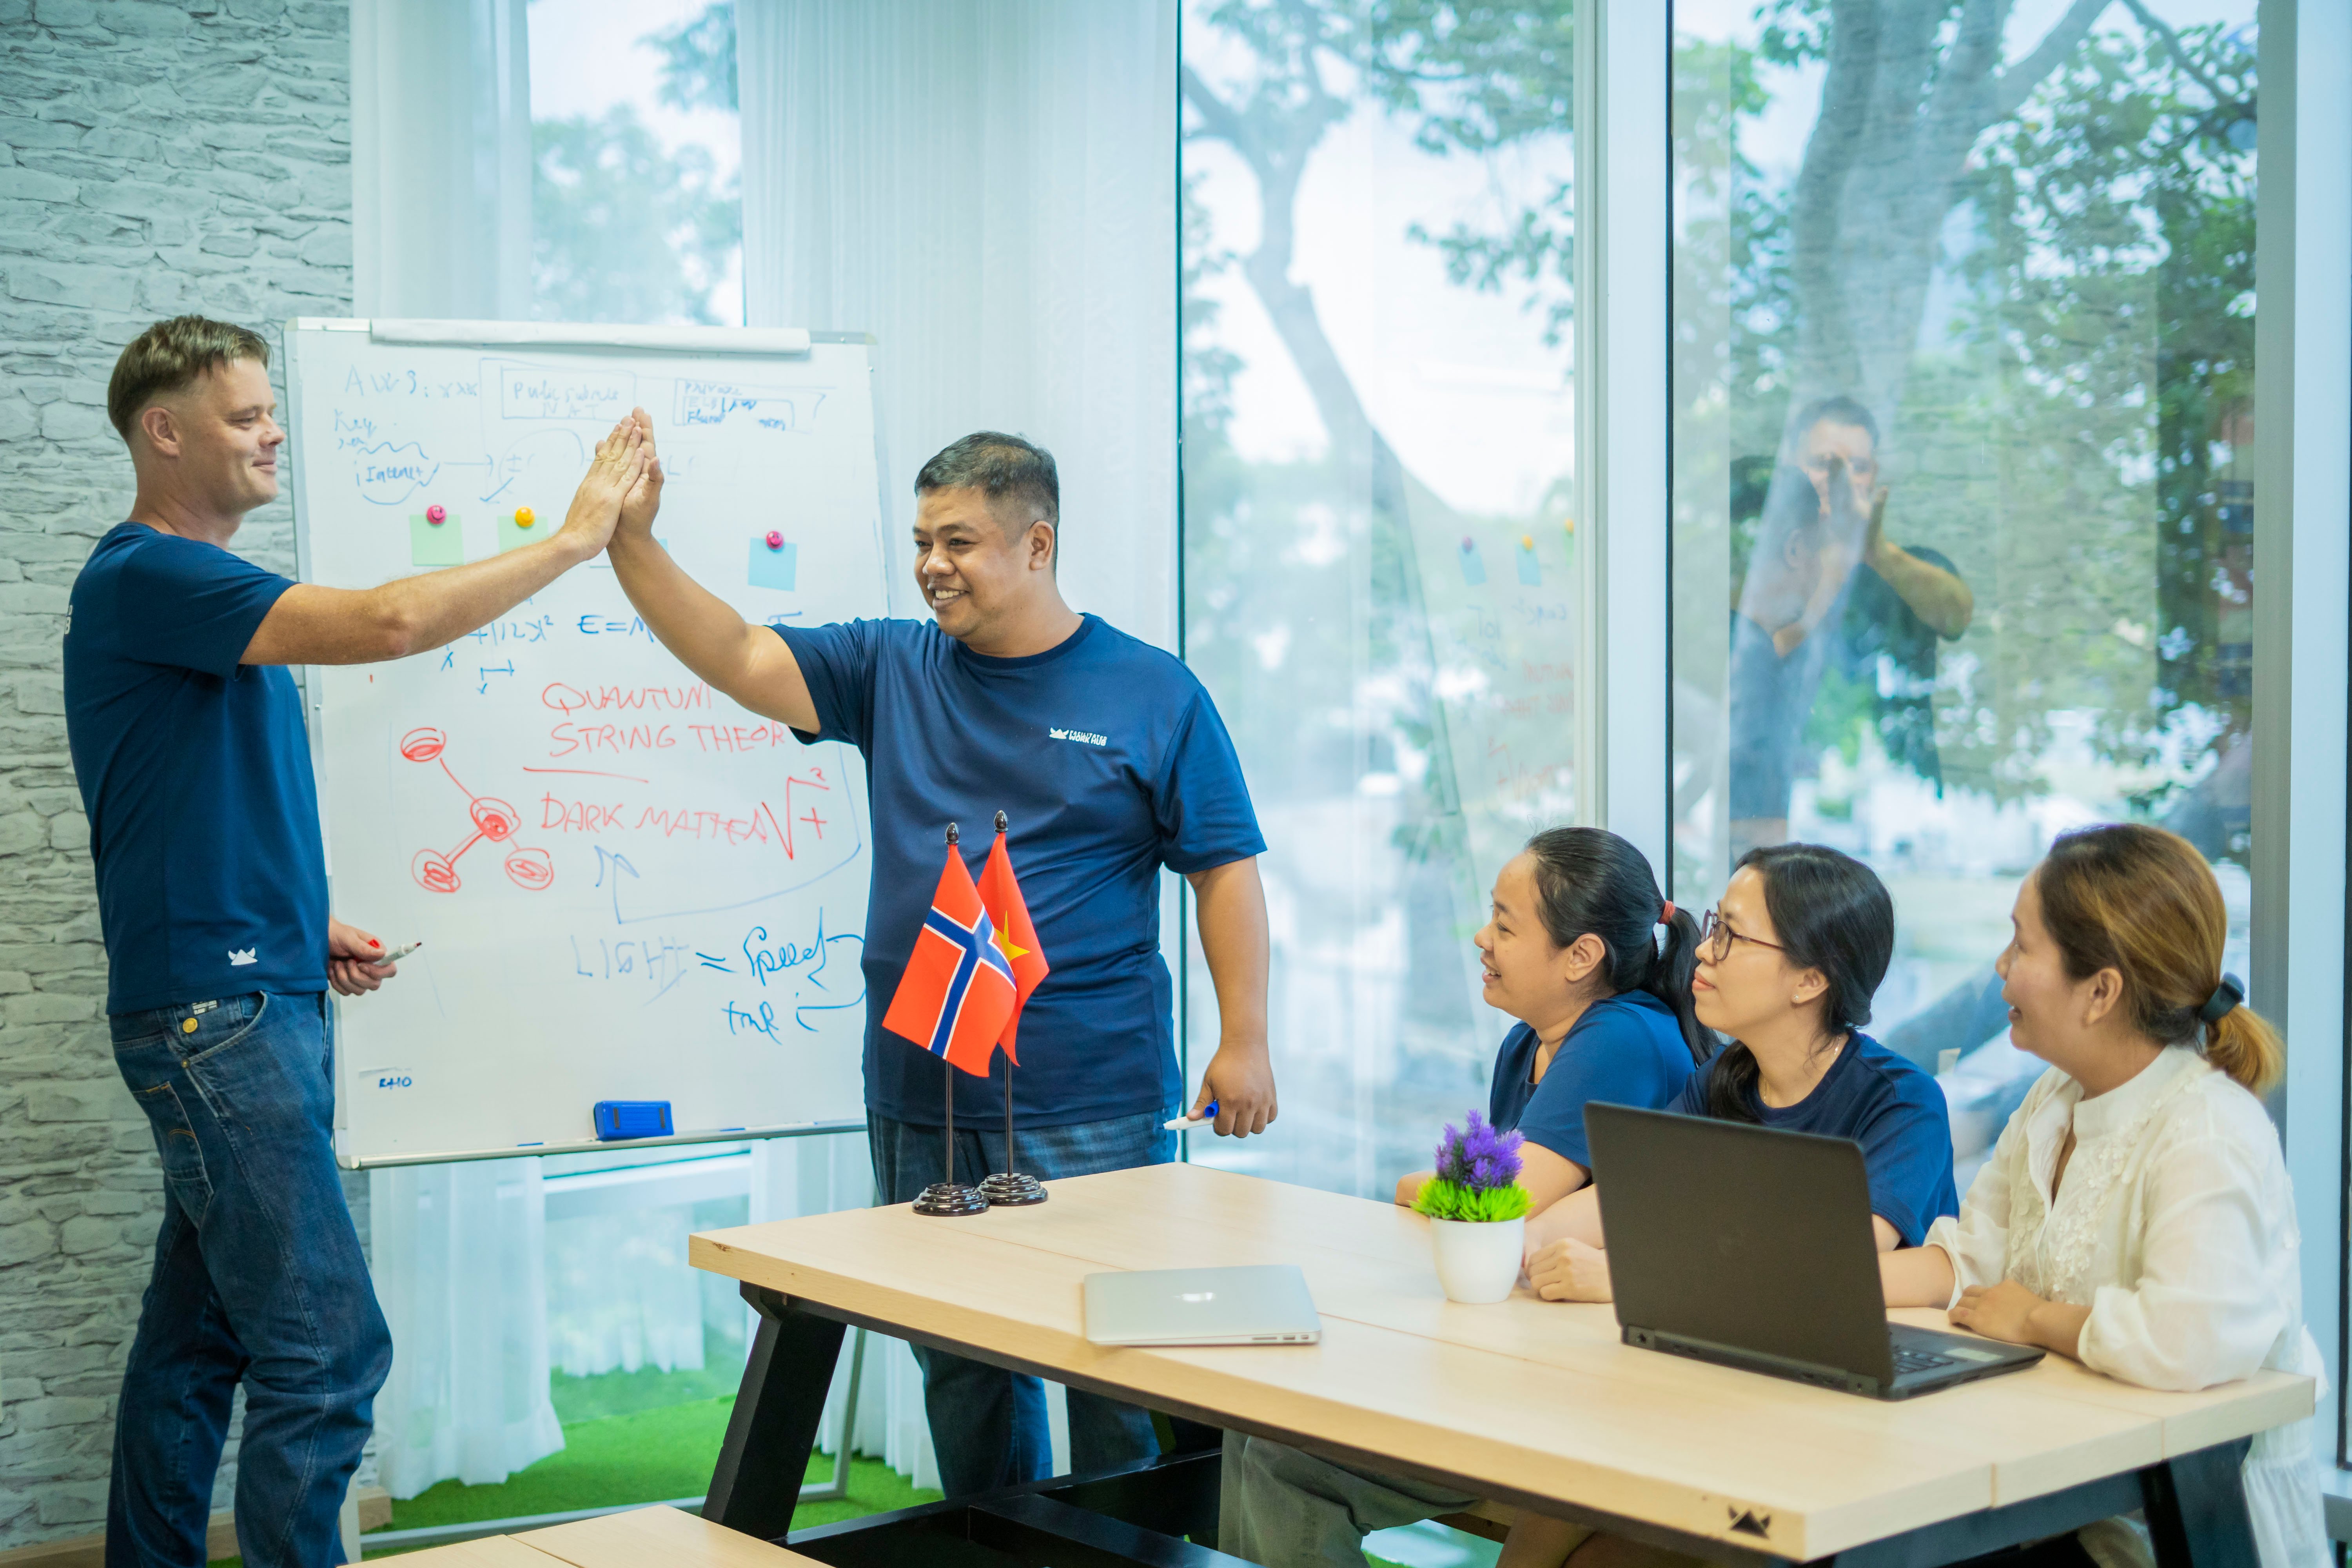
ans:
(634, 1540)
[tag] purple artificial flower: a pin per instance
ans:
(1478, 1158)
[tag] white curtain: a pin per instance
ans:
(989, 187)
(441, 173)
(441, 158)
(458, 1269)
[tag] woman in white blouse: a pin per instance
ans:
(2135, 1214)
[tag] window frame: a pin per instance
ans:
(2302, 648)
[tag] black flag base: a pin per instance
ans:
(950, 1199)
(1010, 1190)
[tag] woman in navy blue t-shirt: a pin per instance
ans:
(1787, 967)
(1571, 950)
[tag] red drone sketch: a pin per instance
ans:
(531, 870)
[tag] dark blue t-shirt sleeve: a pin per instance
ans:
(837, 662)
(1613, 1061)
(1692, 1100)
(1200, 800)
(1907, 1147)
(185, 602)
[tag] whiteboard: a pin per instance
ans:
(627, 886)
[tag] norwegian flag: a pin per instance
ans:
(958, 992)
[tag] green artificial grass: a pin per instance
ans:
(644, 1454)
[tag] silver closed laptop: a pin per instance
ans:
(1258, 1305)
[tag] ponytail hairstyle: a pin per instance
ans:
(1831, 913)
(2143, 902)
(1590, 880)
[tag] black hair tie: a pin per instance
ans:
(2226, 997)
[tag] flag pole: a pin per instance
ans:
(948, 1197)
(1007, 1188)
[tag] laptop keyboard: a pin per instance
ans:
(1911, 1360)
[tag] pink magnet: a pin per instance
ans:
(436, 514)
(776, 540)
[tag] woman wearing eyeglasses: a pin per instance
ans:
(1787, 964)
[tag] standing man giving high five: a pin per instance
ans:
(187, 741)
(1111, 762)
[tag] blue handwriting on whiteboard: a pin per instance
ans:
(806, 964)
(388, 474)
(764, 1020)
(655, 961)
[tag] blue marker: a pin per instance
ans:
(1186, 1124)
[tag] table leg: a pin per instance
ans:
(773, 1427)
(2196, 1508)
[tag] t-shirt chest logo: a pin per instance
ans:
(1086, 737)
(238, 957)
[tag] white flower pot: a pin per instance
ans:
(1477, 1262)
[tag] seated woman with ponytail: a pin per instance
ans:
(2135, 1214)
(1571, 950)
(1787, 967)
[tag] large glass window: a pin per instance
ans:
(1962, 492)
(1378, 560)
(636, 211)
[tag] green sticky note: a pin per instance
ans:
(512, 536)
(434, 543)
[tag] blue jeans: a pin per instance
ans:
(988, 1425)
(259, 1278)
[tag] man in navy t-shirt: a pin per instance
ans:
(187, 740)
(1110, 761)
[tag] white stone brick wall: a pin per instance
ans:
(154, 158)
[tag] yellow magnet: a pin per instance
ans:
(525, 516)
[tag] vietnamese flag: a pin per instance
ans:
(958, 992)
(1000, 893)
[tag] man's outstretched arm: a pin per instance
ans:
(750, 664)
(313, 624)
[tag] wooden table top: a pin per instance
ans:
(1526, 1399)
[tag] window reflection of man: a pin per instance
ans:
(1824, 584)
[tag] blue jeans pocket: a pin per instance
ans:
(176, 1144)
(236, 1022)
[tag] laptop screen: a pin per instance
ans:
(1741, 1236)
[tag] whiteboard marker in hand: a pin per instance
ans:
(1207, 1114)
(394, 956)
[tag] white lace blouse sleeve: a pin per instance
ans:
(1977, 1241)
(2205, 1308)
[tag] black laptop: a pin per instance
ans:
(1753, 1248)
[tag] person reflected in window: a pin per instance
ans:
(1825, 589)
(2135, 1214)
(1572, 949)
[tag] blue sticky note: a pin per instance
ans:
(774, 565)
(1473, 567)
(1530, 573)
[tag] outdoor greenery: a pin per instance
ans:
(624, 229)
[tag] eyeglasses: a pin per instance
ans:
(1717, 937)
